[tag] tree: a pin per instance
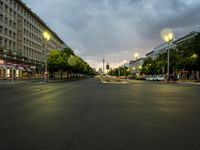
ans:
(53, 62)
(66, 61)
(188, 55)
(148, 67)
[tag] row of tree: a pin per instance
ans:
(66, 60)
(184, 57)
(120, 71)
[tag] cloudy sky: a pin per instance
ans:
(116, 29)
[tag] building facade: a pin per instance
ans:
(135, 66)
(163, 47)
(158, 50)
(22, 46)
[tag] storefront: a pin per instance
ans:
(17, 70)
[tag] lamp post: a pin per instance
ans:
(136, 55)
(47, 37)
(167, 35)
(13, 68)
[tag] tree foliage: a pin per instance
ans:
(66, 60)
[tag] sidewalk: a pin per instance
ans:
(34, 81)
(17, 81)
(194, 82)
(197, 82)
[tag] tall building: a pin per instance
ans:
(22, 45)
(163, 47)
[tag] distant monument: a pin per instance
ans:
(100, 71)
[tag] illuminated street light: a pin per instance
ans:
(136, 55)
(194, 56)
(167, 35)
(125, 61)
(47, 37)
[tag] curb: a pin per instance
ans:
(113, 82)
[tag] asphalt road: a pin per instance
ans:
(89, 115)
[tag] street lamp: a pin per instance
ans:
(136, 55)
(167, 35)
(47, 37)
(125, 61)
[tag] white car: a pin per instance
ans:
(160, 78)
(156, 78)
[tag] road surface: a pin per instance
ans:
(90, 115)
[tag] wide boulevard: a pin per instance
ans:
(90, 115)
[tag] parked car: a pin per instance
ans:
(155, 78)
(141, 78)
(160, 78)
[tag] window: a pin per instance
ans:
(14, 25)
(10, 2)
(6, 8)
(14, 45)
(15, 14)
(10, 33)
(5, 43)
(10, 23)
(1, 29)
(1, 5)
(10, 12)
(24, 21)
(14, 35)
(10, 44)
(6, 20)
(5, 31)
(1, 17)
(1, 41)
(23, 51)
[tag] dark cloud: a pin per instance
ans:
(115, 29)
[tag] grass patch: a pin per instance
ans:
(109, 79)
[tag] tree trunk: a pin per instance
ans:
(61, 75)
